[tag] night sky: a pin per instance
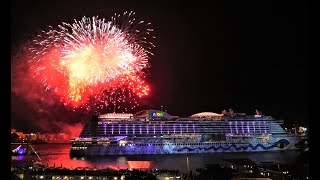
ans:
(208, 57)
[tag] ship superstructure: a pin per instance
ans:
(157, 132)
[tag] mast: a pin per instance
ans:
(34, 152)
(188, 166)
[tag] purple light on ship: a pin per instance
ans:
(140, 129)
(161, 128)
(174, 129)
(242, 127)
(265, 127)
(111, 128)
(126, 128)
(105, 128)
(259, 126)
(254, 128)
(230, 127)
(237, 127)
(187, 128)
(248, 127)
(154, 129)
(119, 128)
(194, 129)
(147, 129)
(133, 128)
(181, 128)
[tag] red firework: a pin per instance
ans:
(93, 61)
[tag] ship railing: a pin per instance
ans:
(83, 139)
(240, 135)
(250, 119)
(199, 119)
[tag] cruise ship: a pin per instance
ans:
(157, 132)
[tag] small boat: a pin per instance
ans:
(22, 150)
(19, 151)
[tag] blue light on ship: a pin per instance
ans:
(21, 151)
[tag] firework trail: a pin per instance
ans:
(94, 62)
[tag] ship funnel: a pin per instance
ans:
(258, 112)
(95, 116)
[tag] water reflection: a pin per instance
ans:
(58, 155)
(122, 160)
(17, 158)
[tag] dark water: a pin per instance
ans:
(58, 154)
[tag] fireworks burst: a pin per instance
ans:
(94, 61)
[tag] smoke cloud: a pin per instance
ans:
(35, 109)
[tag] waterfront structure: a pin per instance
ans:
(157, 132)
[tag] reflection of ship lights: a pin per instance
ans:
(140, 164)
